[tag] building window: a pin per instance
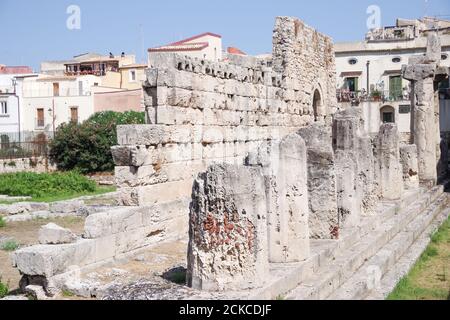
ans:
(74, 114)
(132, 75)
(3, 107)
(56, 89)
(351, 84)
(40, 120)
(353, 61)
(387, 114)
(396, 60)
(444, 56)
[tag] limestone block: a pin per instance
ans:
(148, 135)
(71, 206)
(14, 209)
(139, 176)
(54, 234)
(323, 218)
(408, 159)
(163, 192)
(228, 229)
(433, 47)
(416, 72)
(44, 260)
(112, 222)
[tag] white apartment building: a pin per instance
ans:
(50, 101)
(369, 72)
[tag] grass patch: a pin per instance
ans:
(429, 279)
(67, 293)
(2, 222)
(4, 289)
(10, 245)
(49, 187)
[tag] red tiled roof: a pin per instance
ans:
(184, 45)
(15, 69)
(233, 50)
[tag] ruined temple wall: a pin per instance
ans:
(200, 112)
(306, 60)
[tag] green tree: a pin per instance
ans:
(86, 147)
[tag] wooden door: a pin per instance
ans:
(74, 114)
(40, 118)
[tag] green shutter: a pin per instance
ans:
(395, 87)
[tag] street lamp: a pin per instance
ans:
(14, 83)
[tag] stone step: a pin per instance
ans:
(357, 286)
(407, 261)
(374, 234)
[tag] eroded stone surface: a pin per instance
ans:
(228, 229)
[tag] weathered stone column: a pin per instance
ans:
(346, 144)
(228, 229)
(408, 159)
(323, 215)
(424, 72)
(285, 173)
(390, 172)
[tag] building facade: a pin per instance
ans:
(207, 46)
(11, 100)
(369, 72)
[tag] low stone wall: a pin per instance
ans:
(38, 165)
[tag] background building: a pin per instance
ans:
(369, 72)
(206, 46)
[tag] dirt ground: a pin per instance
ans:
(153, 262)
(26, 234)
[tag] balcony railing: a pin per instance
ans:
(98, 73)
(356, 97)
(40, 123)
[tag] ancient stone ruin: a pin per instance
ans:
(277, 191)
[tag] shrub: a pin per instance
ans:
(45, 184)
(2, 222)
(4, 289)
(86, 147)
(10, 245)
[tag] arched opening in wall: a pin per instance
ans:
(387, 114)
(317, 104)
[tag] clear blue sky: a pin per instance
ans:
(35, 30)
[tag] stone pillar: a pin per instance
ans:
(390, 172)
(424, 72)
(347, 198)
(228, 229)
(425, 130)
(323, 215)
(366, 177)
(347, 129)
(408, 159)
(285, 173)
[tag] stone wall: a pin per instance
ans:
(38, 165)
(200, 112)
